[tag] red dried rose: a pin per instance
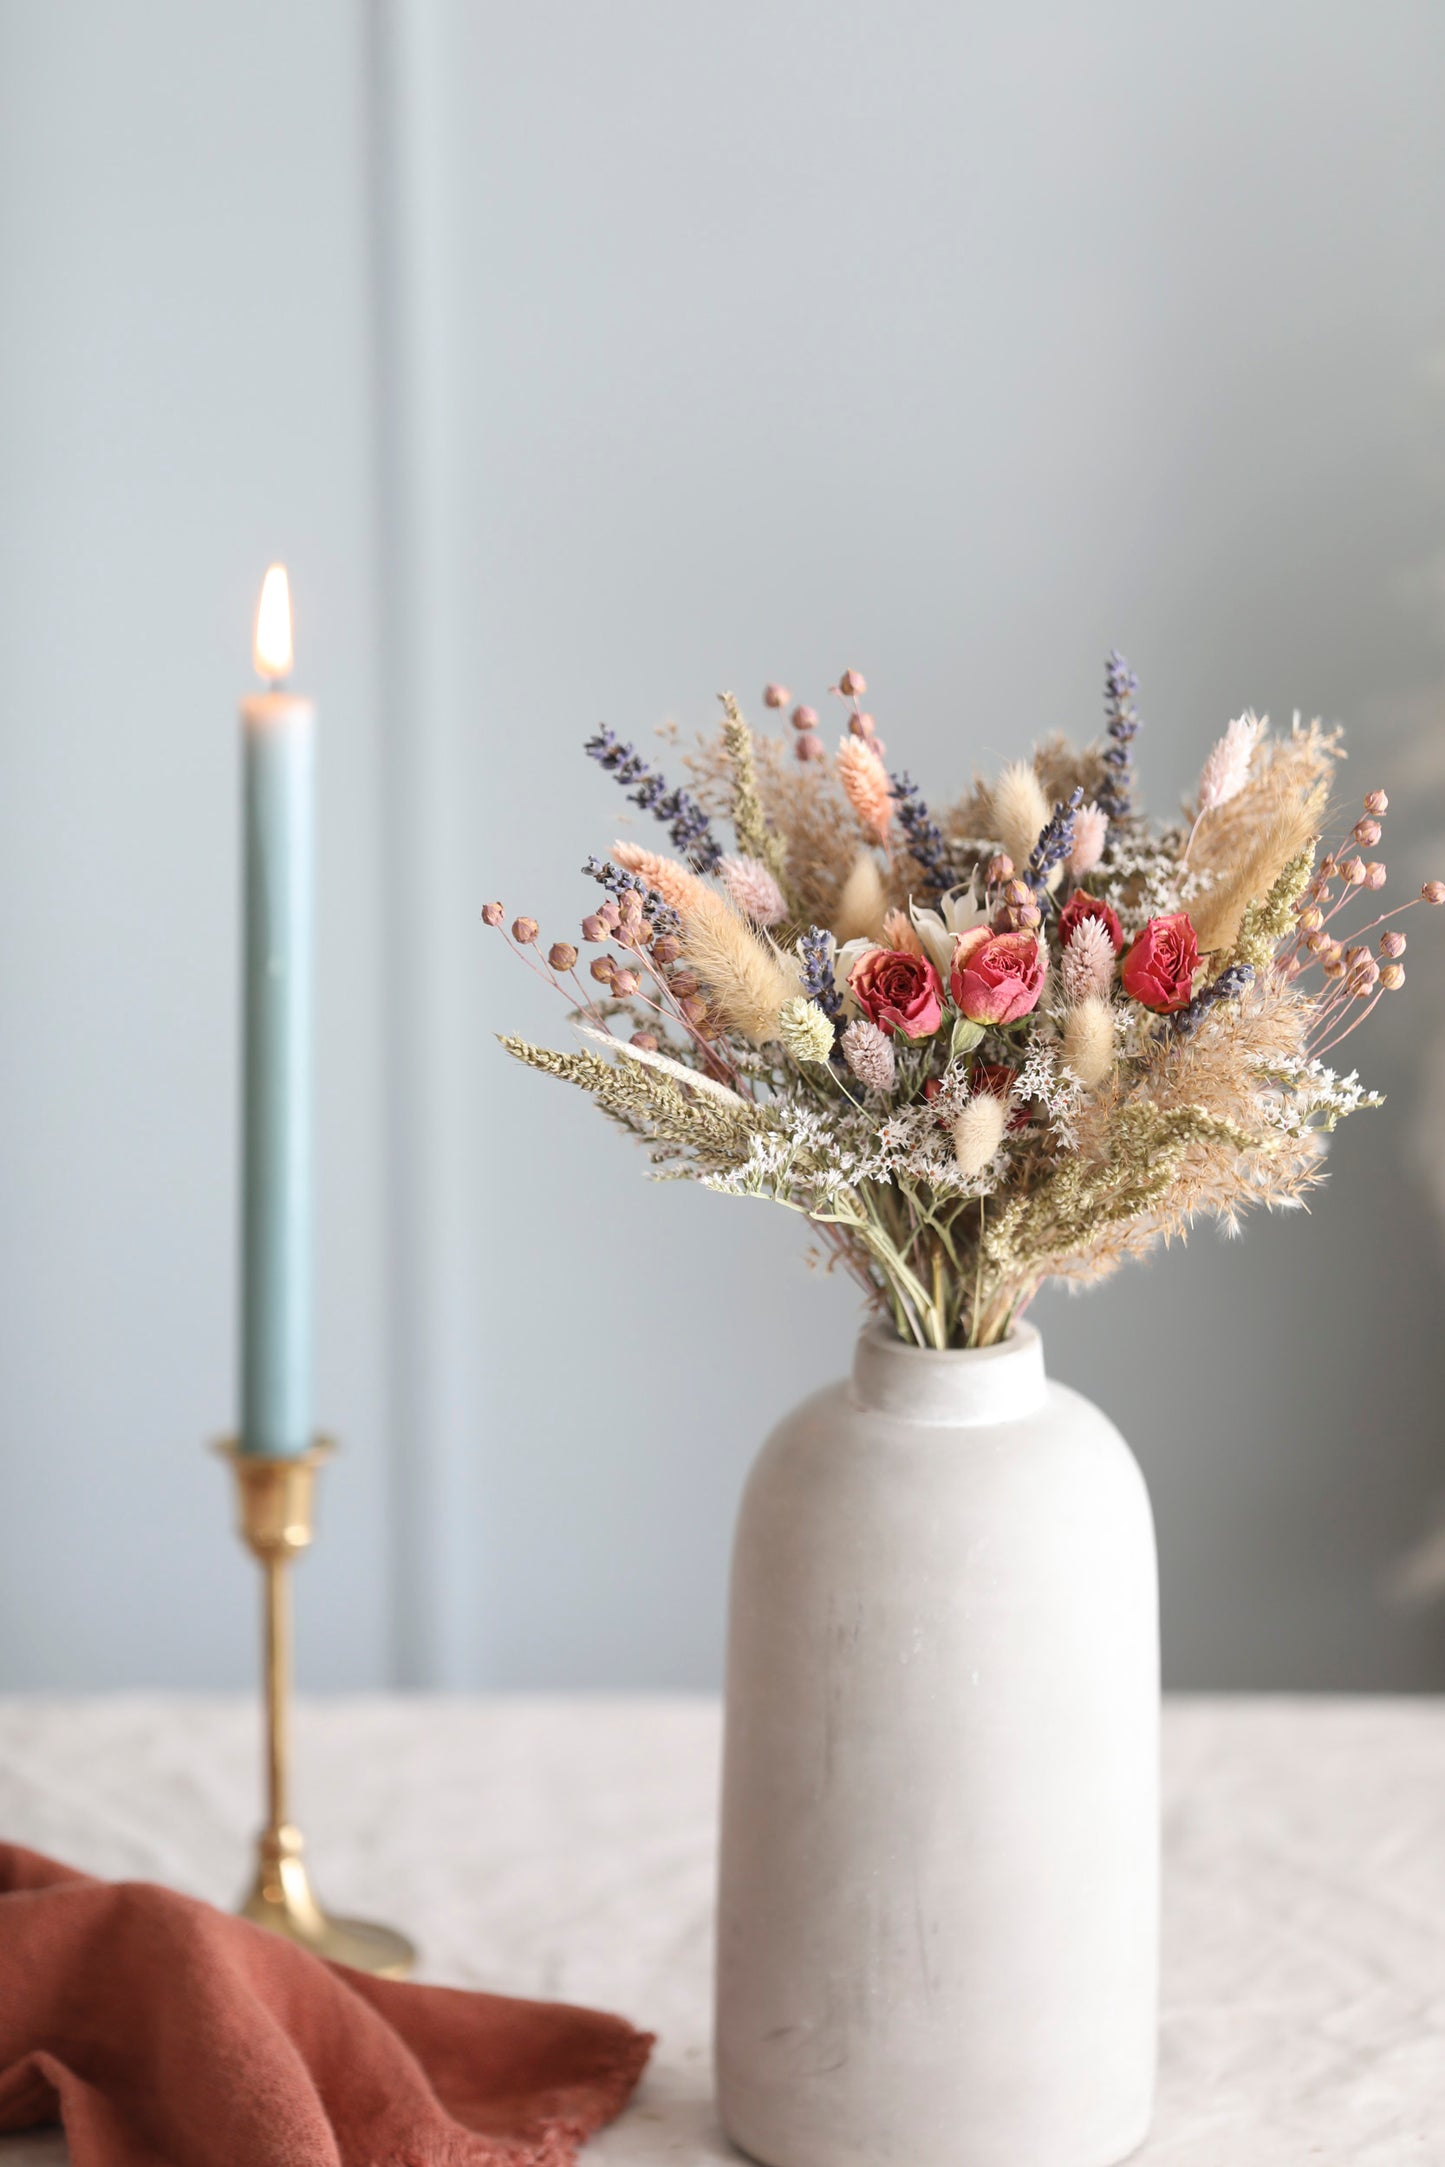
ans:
(897, 991)
(996, 977)
(1159, 968)
(1081, 906)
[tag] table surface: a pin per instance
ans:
(564, 1847)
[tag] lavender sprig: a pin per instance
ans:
(686, 821)
(659, 914)
(815, 947)
(1228, 986)
(926, 842)
(1056, 840)
(1120, 686)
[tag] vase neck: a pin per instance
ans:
(956, 1389)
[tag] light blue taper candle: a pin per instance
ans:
(278, 736)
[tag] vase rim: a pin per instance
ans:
(950, 1387)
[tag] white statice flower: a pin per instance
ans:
(1301, 1098)
(1054, 1088)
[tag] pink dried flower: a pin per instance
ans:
(852, 684)
(754, 890)
(1433, 891)
(624, 983)
(492, 914)
(869, 1053)
(525, 930)
(1000, 868)
(1226, 771)
(1091, 826)
(865, 783)
(809, 746)
(1087, 969)
(594, 927)
(1376, 802)
(1352, 872)
(1374, 874)
(1392, 944)
(804, 718)
(861, 725)
(1392, 977)
(603, 969)
(776, 695)
(645, 1041)
(1367, 832)
(561, 955)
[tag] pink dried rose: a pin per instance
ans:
(1159, 968)
(897, 991)
(996, 977)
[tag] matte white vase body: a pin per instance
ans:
(938, 1908)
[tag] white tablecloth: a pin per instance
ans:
(565, 1847)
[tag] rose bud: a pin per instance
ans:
(996, 977)
(1392, 977)
(645, 1041)
(492, 914)
(603, 969)
(561, 955)
(809, 746)
(776, 695)
(1159, 968)
(1000, 868)
(1374, 874)
(666, 949)
(1377, 802)
(1433, 892)
(525, 930)
(862, 725)
(804, 718)
(625, 983)
(1367, 831)
(1392, 943)
(593, 928)
(901, 993)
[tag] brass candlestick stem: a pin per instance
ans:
(274, 1497)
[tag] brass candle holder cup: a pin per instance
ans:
(274, 1499)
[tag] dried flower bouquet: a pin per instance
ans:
(1021, 1038)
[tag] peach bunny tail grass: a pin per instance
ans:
(862, 905)
(673, 882)
(866, 786)
(752, 887)
(746, 979)
(1019, 810)
(899, 931)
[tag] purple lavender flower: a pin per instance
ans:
(1120, 686)
(816, 950)
(1056, 840)
(686, 821)
(926, 842)
(659, 914)
(1228, 986)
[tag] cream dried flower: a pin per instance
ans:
(862, 904)
(753, 889)
(869, 1053)
(1089, 1039)
(1087, 970)
(938, 930)
(805, 1031)
(1020, 811)
(978, 1131)
(866, 786)
(1091, 826)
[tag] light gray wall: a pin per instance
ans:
(581, 362)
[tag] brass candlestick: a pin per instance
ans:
(274, 1521)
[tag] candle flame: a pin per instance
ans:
(273, 626)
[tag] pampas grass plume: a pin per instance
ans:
(1020, 810)
(865, 784)
(862, 905)
(978, 1131)
(1089, 1040)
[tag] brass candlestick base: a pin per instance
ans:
(274, 1521)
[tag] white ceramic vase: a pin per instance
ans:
(938, 1906)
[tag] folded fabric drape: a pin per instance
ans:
(164, 2033)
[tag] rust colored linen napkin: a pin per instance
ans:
(163, 2033)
